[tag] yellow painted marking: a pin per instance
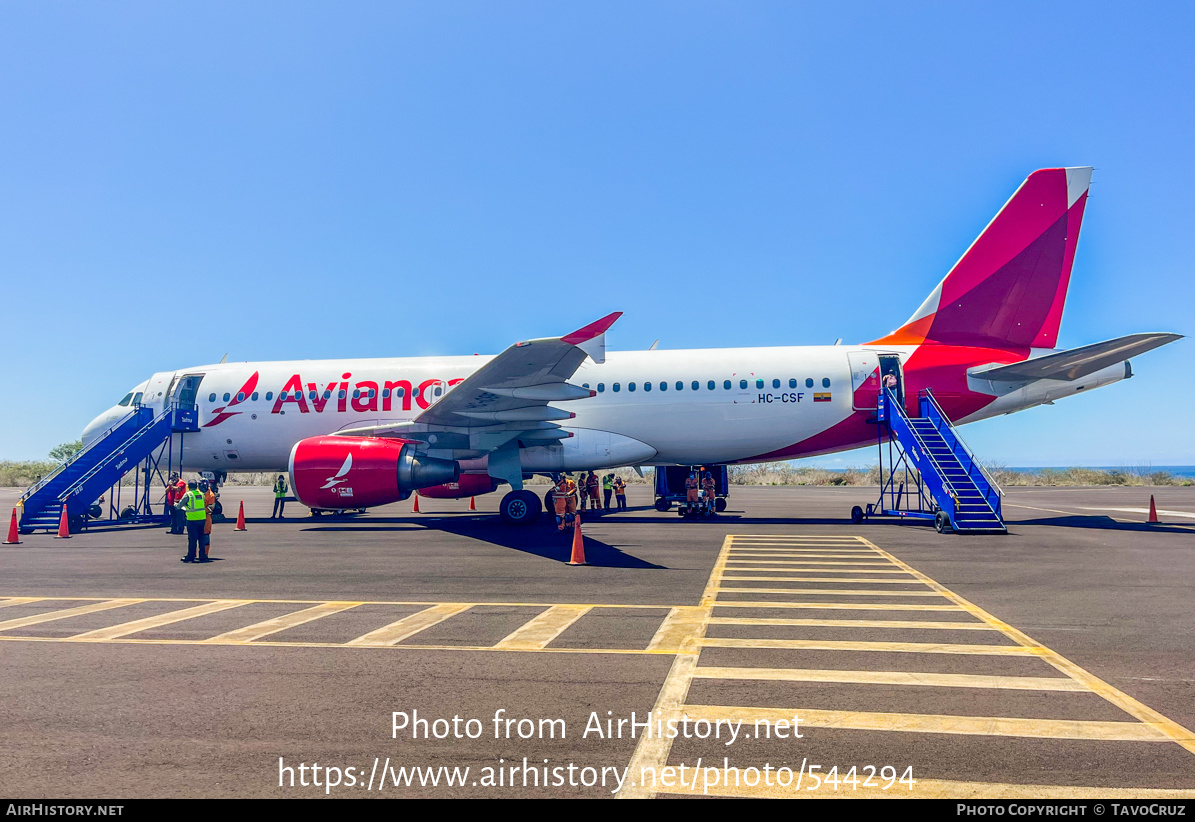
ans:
(850, 645)
(541, 630)
(737, 538)
(273, 626)
(840, 606)
(774, 578)
(678, 627)
(19, 601)
(732, 784)
(1016, 683)
(754, 568)
(406, 627)
(853, 623)
(794, 555)
(806, 562)
(126, 628)
(1120, 699)
(50, 616)
(831, 592)
(938, 723)
(715, 581)
(362, 602)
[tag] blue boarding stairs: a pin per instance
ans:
(139, 439)
(928, 473)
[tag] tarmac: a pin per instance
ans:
(1055, 661)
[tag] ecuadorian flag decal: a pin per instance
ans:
(821, 396)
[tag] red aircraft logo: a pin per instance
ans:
(221, 414)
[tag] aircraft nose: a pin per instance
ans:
(102, 423)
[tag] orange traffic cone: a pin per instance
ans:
(1153, 511)
(14, 533)
(241, 518)
(64, 530)
(415, 509)
(472, 505)
(578, 557)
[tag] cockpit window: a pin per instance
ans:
(137, 398)
(127, 399)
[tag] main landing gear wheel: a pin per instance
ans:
(520, 508)
(942, 523)
(856, 515)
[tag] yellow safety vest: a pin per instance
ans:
(195, 506)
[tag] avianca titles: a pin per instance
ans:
(362, 432)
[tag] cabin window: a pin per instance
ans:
(601, 387)
(269, 396)
(615, 388)
(775, 383)
(327, 394)
(709, 387)
(646, 386)
(759, 383)
(792, 383)
(385, 393)
(356, 393)
(680, 386)
(210, 398)
(726, 385)
(400, 392)
(438, 390)
(809, 383)
(630, 386)
(227, 397)
(240, 396)
(342, 394)
(585, 385)
(742, 383)
(664, 386)
(825, 382)
(311, 395)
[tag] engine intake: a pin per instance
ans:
(360, 472)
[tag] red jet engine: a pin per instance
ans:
(359, 472)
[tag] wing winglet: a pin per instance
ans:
(592, 338)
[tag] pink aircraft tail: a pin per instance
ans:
(1009, 287)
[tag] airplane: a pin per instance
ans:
(358, 433)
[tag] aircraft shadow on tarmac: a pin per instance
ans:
(1105, 523)
(541, 540)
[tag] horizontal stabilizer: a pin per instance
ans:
(1077, 362)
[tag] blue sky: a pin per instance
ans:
(294, 180)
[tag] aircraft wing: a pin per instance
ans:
(1077, 363)
(509, 395)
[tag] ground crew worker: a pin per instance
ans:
(620, 493)
(280, 490)
(171, 501)
(692, 492)
(607, 488)
(180, 490)
(591, 487)
(209, 503)
(195, 510)
(565, 500)
(707, 486)
(583, 490)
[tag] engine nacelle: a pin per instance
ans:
(359, 472)
(469, 485)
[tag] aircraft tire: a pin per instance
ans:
(520, 508)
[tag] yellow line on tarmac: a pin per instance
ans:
(849, 645)
(541, 630)
(853, 623)
(835, 537)
(679, 627)
(937, 723)
(20, 601)
(50, 616)
(831, 592)
(406, 627)
(839, 606)
(736, 555)
(1016, 683)
(807, 562)
(137, 625)
(733, 784)
(273, 626)
(774, 578)
(754, 567)
(1162, 724)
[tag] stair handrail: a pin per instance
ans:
(941, 472)
(141, 432)
(991, 480)
(33, 489)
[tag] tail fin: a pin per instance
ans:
(1010, 285)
